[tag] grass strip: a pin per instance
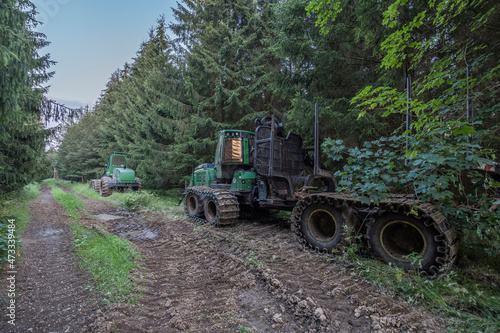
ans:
(109, 259)
(155, 201)
(14, 206)
(69, 201)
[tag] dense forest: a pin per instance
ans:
(222, 64)
(229, 62)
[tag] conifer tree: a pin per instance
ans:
(22, 101)
(227, 59)
(325, 68)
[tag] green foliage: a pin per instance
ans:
(23, 105)
(79, 151)
(469, 305)
(253, 260)
(327, 11)
(325, 68)
(244, 329)
(439, 156)
(138, 200)
(21, 73)
(434, 175)
(109, 259)
(14, 206)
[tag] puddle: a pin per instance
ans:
(50, 232)
(140, 234)
(109, 217)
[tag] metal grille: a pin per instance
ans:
(287, 157)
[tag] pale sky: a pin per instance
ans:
(90, 39)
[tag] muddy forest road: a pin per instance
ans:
(250, 277)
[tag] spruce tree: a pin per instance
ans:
(22, 101)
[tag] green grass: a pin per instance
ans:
(109, 259)
(253, 260)
(155, 201)
(71, 203)
(471, 304)
(85, 190)
(14, 206)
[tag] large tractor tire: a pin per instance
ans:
(193, 205)
(405, 241)
(221, 208)
(95, 184)
(104, 190)
(138, 181)
(322, 226)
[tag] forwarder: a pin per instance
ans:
(116, 176)
(266, 169)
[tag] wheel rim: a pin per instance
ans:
(400, 239)
(322, 225)
(192, 204)
(211, 211)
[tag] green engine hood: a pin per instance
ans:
(124, 175)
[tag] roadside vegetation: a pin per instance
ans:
(14, 206)
(108, 258)
(166, 202)
(468, 296)
(71, 203)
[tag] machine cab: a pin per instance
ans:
(116, 160)
(233, 152)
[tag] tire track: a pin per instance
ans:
(52, 294)
(252, 275)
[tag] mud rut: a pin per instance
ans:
(248, 277)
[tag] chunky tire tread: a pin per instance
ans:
(104, 190)
(95, 184)
(445, 237)
(225, 203)
(193, 205)
(322, 226)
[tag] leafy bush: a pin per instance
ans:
(138, 200)
(443, 172)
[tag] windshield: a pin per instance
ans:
(233, 150)
(118, 161)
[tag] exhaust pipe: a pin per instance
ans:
(317, 157)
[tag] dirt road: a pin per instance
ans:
(251, 277)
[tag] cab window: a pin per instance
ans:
(233, 150)
(118, 161)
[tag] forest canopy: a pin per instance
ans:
(230, 62)
(408, 94)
